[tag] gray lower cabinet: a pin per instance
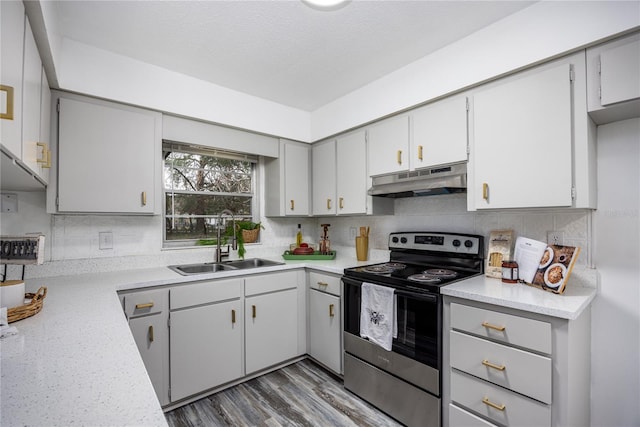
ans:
(271, 316)
(206, 336)
(147, 312)
(325, 325)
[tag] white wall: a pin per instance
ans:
(615, 392)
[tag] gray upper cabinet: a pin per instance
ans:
(108, 158)
(287, 180)
(614, 79)
(388, 146)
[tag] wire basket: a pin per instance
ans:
(250, 236)
(32, 308)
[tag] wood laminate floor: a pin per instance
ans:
(301, 394)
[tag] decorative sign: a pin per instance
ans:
(21, 249)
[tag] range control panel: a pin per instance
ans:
(440, 242)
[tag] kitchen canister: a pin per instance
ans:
(509, 271)
(362, 248)
(11, 293)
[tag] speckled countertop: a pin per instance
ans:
(76, 363)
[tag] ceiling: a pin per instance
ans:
(283, 51)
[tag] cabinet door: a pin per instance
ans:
(324, 178)
(107, 158)
(271, 329)
(389, 146)
(31, 102)
(324, 329)
(45, 126)
(620, 73)
(296, 183)
(439, 133)
(152, 338)
(522, 142)
(206, 347)
(12, 21)
(352, 174)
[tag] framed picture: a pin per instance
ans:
(6, 102)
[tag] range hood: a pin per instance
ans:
(446, 179)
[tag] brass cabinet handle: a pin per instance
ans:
(399, 157)
(323, 284)
(328, 204)
(8, 114)
(253, 311)
(341, 202)
(485, 191)
(150, 333)
(144, 198)
(233, 316)
(331, 314)
(487, 402)
(145, 305)
(419, 152)
(490, 326)
(292, 205)
(488, 364)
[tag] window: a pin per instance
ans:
(198, 185)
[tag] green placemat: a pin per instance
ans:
(313, 256)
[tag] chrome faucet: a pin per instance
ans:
(219, 254)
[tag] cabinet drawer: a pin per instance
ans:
(325, 283)
(518, 370)
(145, 302)
(458, 417)
(270, 282)
(515, 330)
(205, 292)
(511, 409)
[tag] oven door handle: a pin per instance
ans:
(413, 295)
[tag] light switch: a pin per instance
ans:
(106, 240)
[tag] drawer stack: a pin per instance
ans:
(501, 368)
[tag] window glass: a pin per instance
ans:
(198, 185)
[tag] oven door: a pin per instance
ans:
(419, 322)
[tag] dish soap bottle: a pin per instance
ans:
(299, 236)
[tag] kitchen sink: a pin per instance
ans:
(213, 267)
(189, 269)
(252, 263)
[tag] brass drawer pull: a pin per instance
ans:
(487, 402)
(490, 326)
(331, 313)
(145, 305)
(328, 204)
(233, 316)
(488, 364)
(420, 152)
(292, 205)
(399, 157)
(144, 198)
(253, 311)
(151, 333)
(341, 202)
(485, 191)
(323, 284)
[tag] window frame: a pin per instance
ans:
(213, 152)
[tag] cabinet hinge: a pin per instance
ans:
(467, 102)
(573, 193)
(572, 75)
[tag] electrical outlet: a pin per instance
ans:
(352, 232)
(555, 238)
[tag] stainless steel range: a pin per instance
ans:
(406, 381)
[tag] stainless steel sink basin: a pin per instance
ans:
(189, 269)
(212, 267)
(252, 263)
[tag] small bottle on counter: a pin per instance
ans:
(299, 236)
(509, 271)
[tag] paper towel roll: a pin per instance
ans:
(11, 293)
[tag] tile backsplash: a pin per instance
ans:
(74, 237)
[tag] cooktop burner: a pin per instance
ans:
(425, 261)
